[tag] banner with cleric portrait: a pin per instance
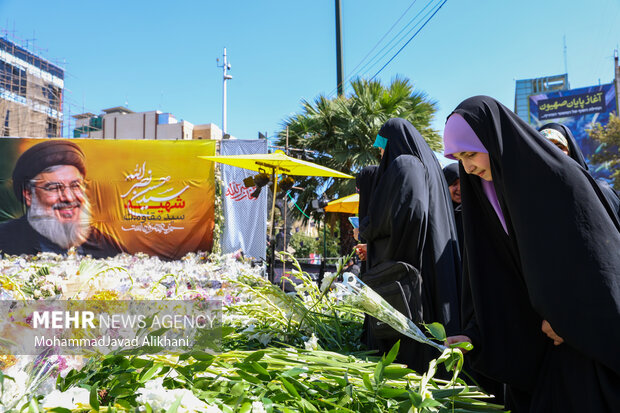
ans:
(245, 208)
(102, 197)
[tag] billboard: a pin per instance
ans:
(150, 196)
(578, 109)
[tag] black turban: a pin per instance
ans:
(451, 172)
(43, 155)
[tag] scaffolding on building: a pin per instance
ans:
(31, 92)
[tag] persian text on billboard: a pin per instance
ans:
(565, 106)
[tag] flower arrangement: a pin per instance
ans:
(282, 352)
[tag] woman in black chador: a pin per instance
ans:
(541, 278)
(410, 219)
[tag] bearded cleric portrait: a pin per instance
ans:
(49, 180)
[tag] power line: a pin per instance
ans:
(396, 39)
(410, 39)
(380, 40)
(379, 55)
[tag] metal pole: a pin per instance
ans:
(285, 199)
(273, 205)
(272, 239)
(324, 260)
(226, 67)
(617, 81)
(340, 74)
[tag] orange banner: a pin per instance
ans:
(155, 197)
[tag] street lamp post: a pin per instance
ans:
(225, 67)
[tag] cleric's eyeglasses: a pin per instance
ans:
(76, 187)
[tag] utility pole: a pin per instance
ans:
(617, 81)
(340, 74)
(565, 57)
(225, 67)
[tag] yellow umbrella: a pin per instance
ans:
(349, 204)
(277, 163)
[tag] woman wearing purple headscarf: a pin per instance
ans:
(541, 277)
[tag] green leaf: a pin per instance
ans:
(259, 369)
(392, 393)
(378, 376)
(289, 387)
(94, 398)
(59, 410)
(245, 407)
(140, 363)
(33, 406)
(150, 373)
(429, 403)
(437, 331)
(367, 382)
(455, 359)
(294, 372)
(391, 356)
(121, 391)
(237, 390)
(248, 377)
(268, 404)
(307, 406)
(202, 355)
(464, 345)
(257, 355)
(416, 398)
(396, 372)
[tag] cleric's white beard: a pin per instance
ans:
(63, 234)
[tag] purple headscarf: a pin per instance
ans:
(458, 136)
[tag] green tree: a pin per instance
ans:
(607, 153)
(304, 245)
(340, 133)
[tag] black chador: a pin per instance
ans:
(556, 259)
(410, 219)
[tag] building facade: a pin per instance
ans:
(526, 87)
(121, 123)
(31, 93)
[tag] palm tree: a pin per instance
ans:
(340, 133)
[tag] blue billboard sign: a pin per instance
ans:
(578, 109)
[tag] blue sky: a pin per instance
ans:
(159, 55)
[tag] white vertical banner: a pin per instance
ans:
(245, 225)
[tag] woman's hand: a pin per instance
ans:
(546, 328)
(458, 339)
(360, 250)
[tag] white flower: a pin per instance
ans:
(160, 398)
(73, 398)
(312, 343)
(327, 280)
(258, 407)
(263, 338)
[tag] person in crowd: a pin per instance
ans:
(451, 173)
(561, 136)
(410, 219)
(48, 179)
(541, 276)
(364, 182)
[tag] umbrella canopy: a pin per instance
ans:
(349, 204)
(278, 163)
